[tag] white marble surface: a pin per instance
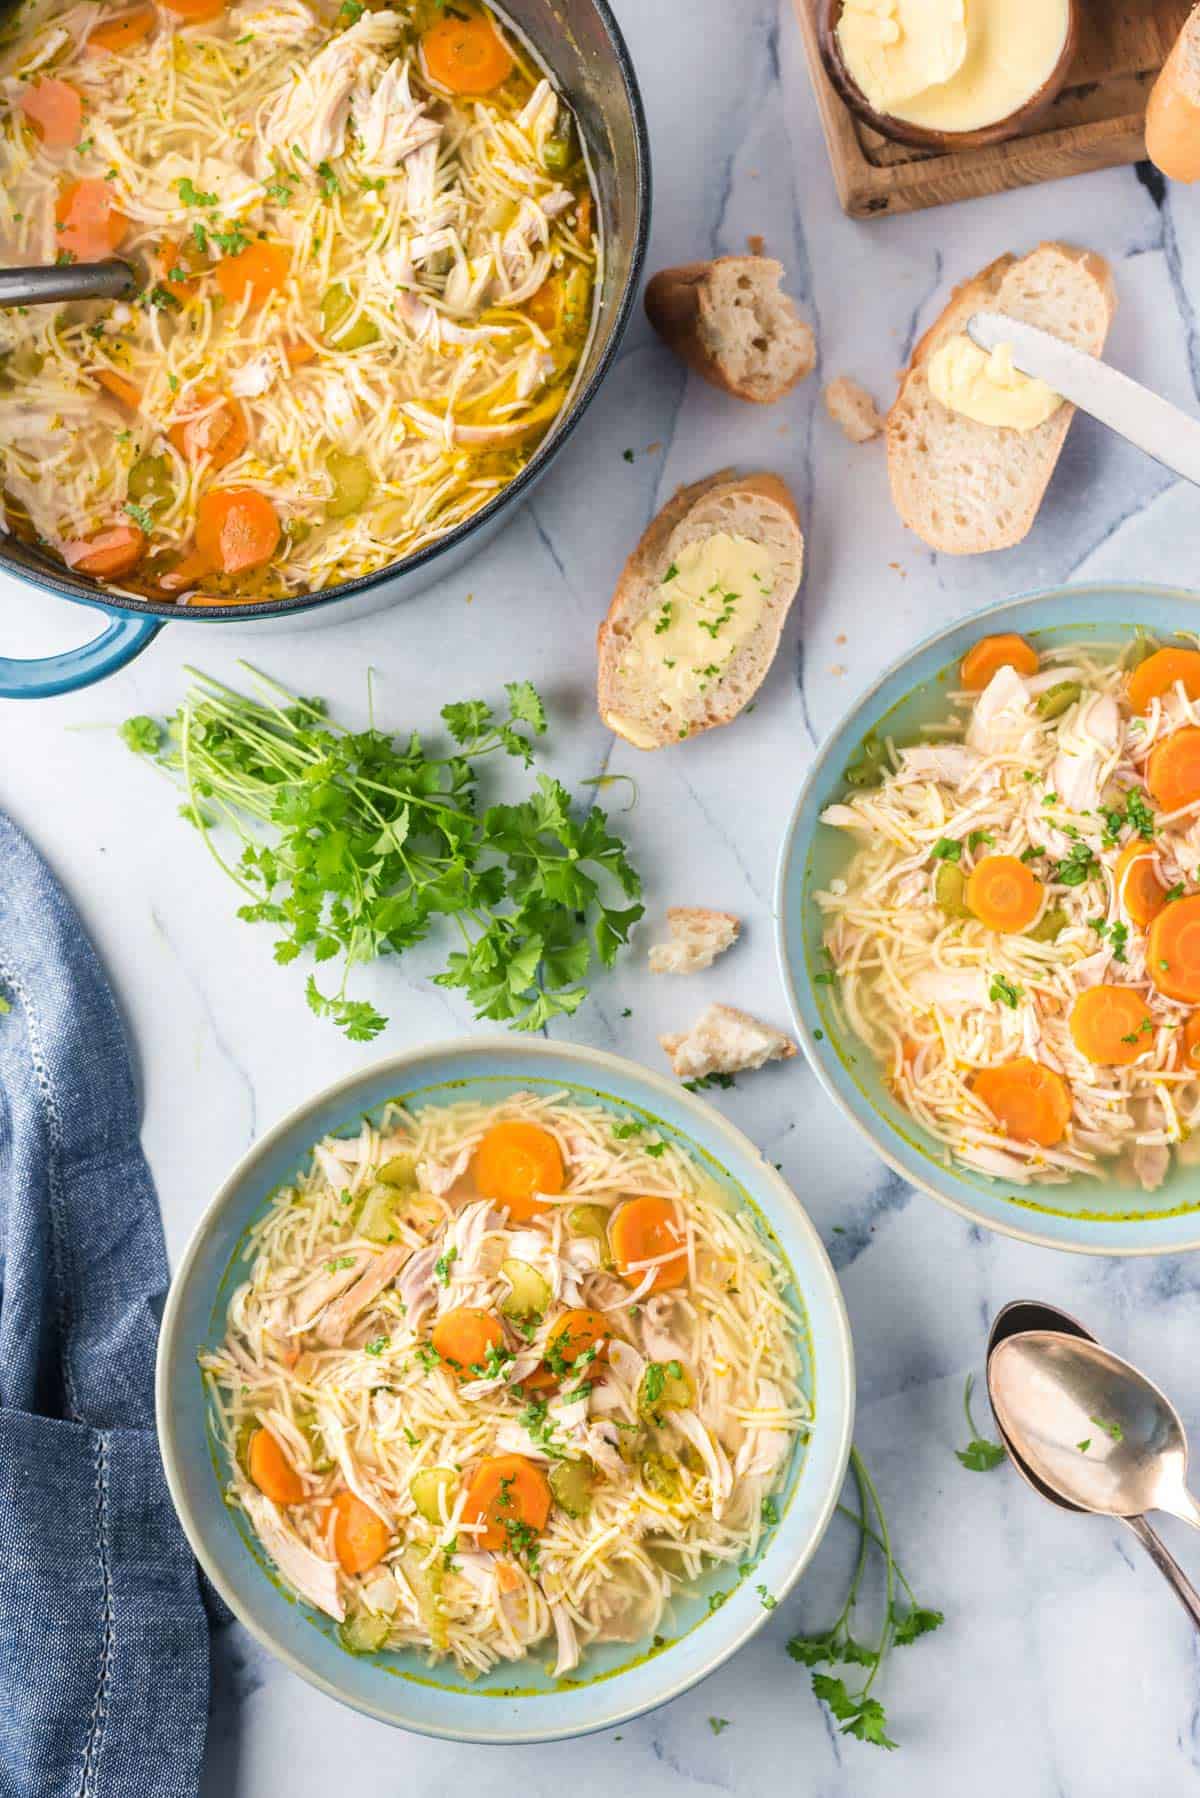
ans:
(1064, 1666)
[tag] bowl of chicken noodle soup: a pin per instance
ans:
(503, 1389)
(989, 917)
(382, 256)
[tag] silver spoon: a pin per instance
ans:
(108, 280)
(1026, 1316)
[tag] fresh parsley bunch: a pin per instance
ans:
(904, 1621)
(354, 845)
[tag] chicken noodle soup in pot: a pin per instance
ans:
(368, 252)
(504, 1376)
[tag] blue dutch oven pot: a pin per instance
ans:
(580, 42)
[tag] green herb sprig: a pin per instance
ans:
(904, 1622)
(354, 844)
(981, 1454)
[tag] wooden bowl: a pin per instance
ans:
(925, 137)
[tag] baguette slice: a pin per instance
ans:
(758, 507)
(1173, 114)
(966, 487)
(698, 936)
(725, 1041)
(731, 323)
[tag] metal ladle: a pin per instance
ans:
(109, 280)
(1020, 1320)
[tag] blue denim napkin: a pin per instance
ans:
(103, 1636)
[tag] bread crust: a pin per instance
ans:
(965, 299)
(641, 561)
(680, 305)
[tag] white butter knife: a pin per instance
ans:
(1171, 436)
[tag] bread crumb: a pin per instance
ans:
(698, 936)
(841, 637)
(652, 449)
(837, 668)
(725, 1041)
(852, 407)
(755, 243)
(901, 570)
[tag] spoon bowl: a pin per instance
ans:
(1092, 1428)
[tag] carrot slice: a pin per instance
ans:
(463, 1336)
(120, 388)
(1003, 893)
(1188, 1054)
(574, 1334)
(255, 273)
(107, 554)
(55, 110)
(466, 55)
(583, 219)
(1173, 771)
(510, 1496)
(221, 434)
(545, 306)
(120, 31)
(195, 11)
(991, 654)
(180, 266)
(1032, 1102)
(187, 571)
(641, 1231)
(297, 352)
(1110, 1025)
(89, 227)
(1173, 950)
(1139, 889)
(271, 1471)
(1159, 673)
(236, 528)
(360, 1536)
(514, 1162)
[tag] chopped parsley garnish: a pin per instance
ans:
(977, 839)
(656, 1149)
(627, 455)
(377, 1346)
(1003, 992)
(664, 618)
(327, 180)
(1173, 893)
(717, 1724)
(769, 1512)
(340, 1264)
(1077, 867)
(672, 571)
(947, 849)
(427, 1356)
(1110, 1429)
(766, 1599)
(444, 1263)
(191, 195)
(140, 516)
(724, 1081)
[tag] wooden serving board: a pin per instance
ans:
(1096, 122)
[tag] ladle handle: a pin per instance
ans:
(1168, 1566)
(66, 281)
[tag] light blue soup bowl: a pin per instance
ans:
(1088, 1216)
(518, 1702)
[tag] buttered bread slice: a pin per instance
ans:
(699, 609)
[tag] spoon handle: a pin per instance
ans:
(1168, 1566)
(73, 281)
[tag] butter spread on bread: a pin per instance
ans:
(987, 388)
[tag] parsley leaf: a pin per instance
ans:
(1003, 992)
(981, 1455)
(947, 849)
(905, 1621)
(191, 196)
(717, 1724)
(141, 734)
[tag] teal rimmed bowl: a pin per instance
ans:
(1089, 1217)
(517, 1702)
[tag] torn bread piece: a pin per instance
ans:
(852, 407)
(732, 323)
(725, 1041)
(699, 609)
(698, 936)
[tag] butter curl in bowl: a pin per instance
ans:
(943, 74)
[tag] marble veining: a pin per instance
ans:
(1065, 1669)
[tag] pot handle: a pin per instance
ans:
(44, 677)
